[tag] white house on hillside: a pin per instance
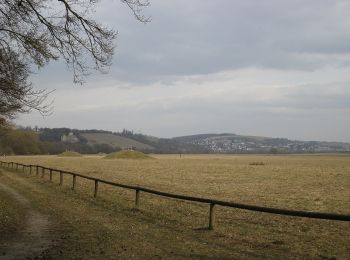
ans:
(69, 138)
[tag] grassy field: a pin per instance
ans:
(109, 227)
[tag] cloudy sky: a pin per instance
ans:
(278, 68)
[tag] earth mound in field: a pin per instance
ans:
(127, 155)
(69, 154)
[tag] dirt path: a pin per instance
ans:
(32, 241)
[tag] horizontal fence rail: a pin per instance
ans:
(211, 202)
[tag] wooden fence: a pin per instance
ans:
(212, 203)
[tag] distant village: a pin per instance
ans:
(272, 145)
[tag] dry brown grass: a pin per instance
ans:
(173, 228)
(134, 155)
(70, 154)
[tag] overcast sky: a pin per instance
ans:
(278, 68)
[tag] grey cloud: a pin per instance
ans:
(209, 36)
(319, 96)
(205, 36)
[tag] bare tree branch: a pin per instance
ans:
(34, 32)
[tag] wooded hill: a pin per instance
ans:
(58, 140)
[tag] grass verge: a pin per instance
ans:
(11, 216)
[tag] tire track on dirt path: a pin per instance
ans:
(34, 238)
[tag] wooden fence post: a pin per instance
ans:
(30, 169)
(42, 172)
(37, 170)
(137, 199)
(23, 169)
(74, 181)
(16, 166)
(96, 188)
(50, 174)
(61, 178)
(212, 216)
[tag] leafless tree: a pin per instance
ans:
(35, 32)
